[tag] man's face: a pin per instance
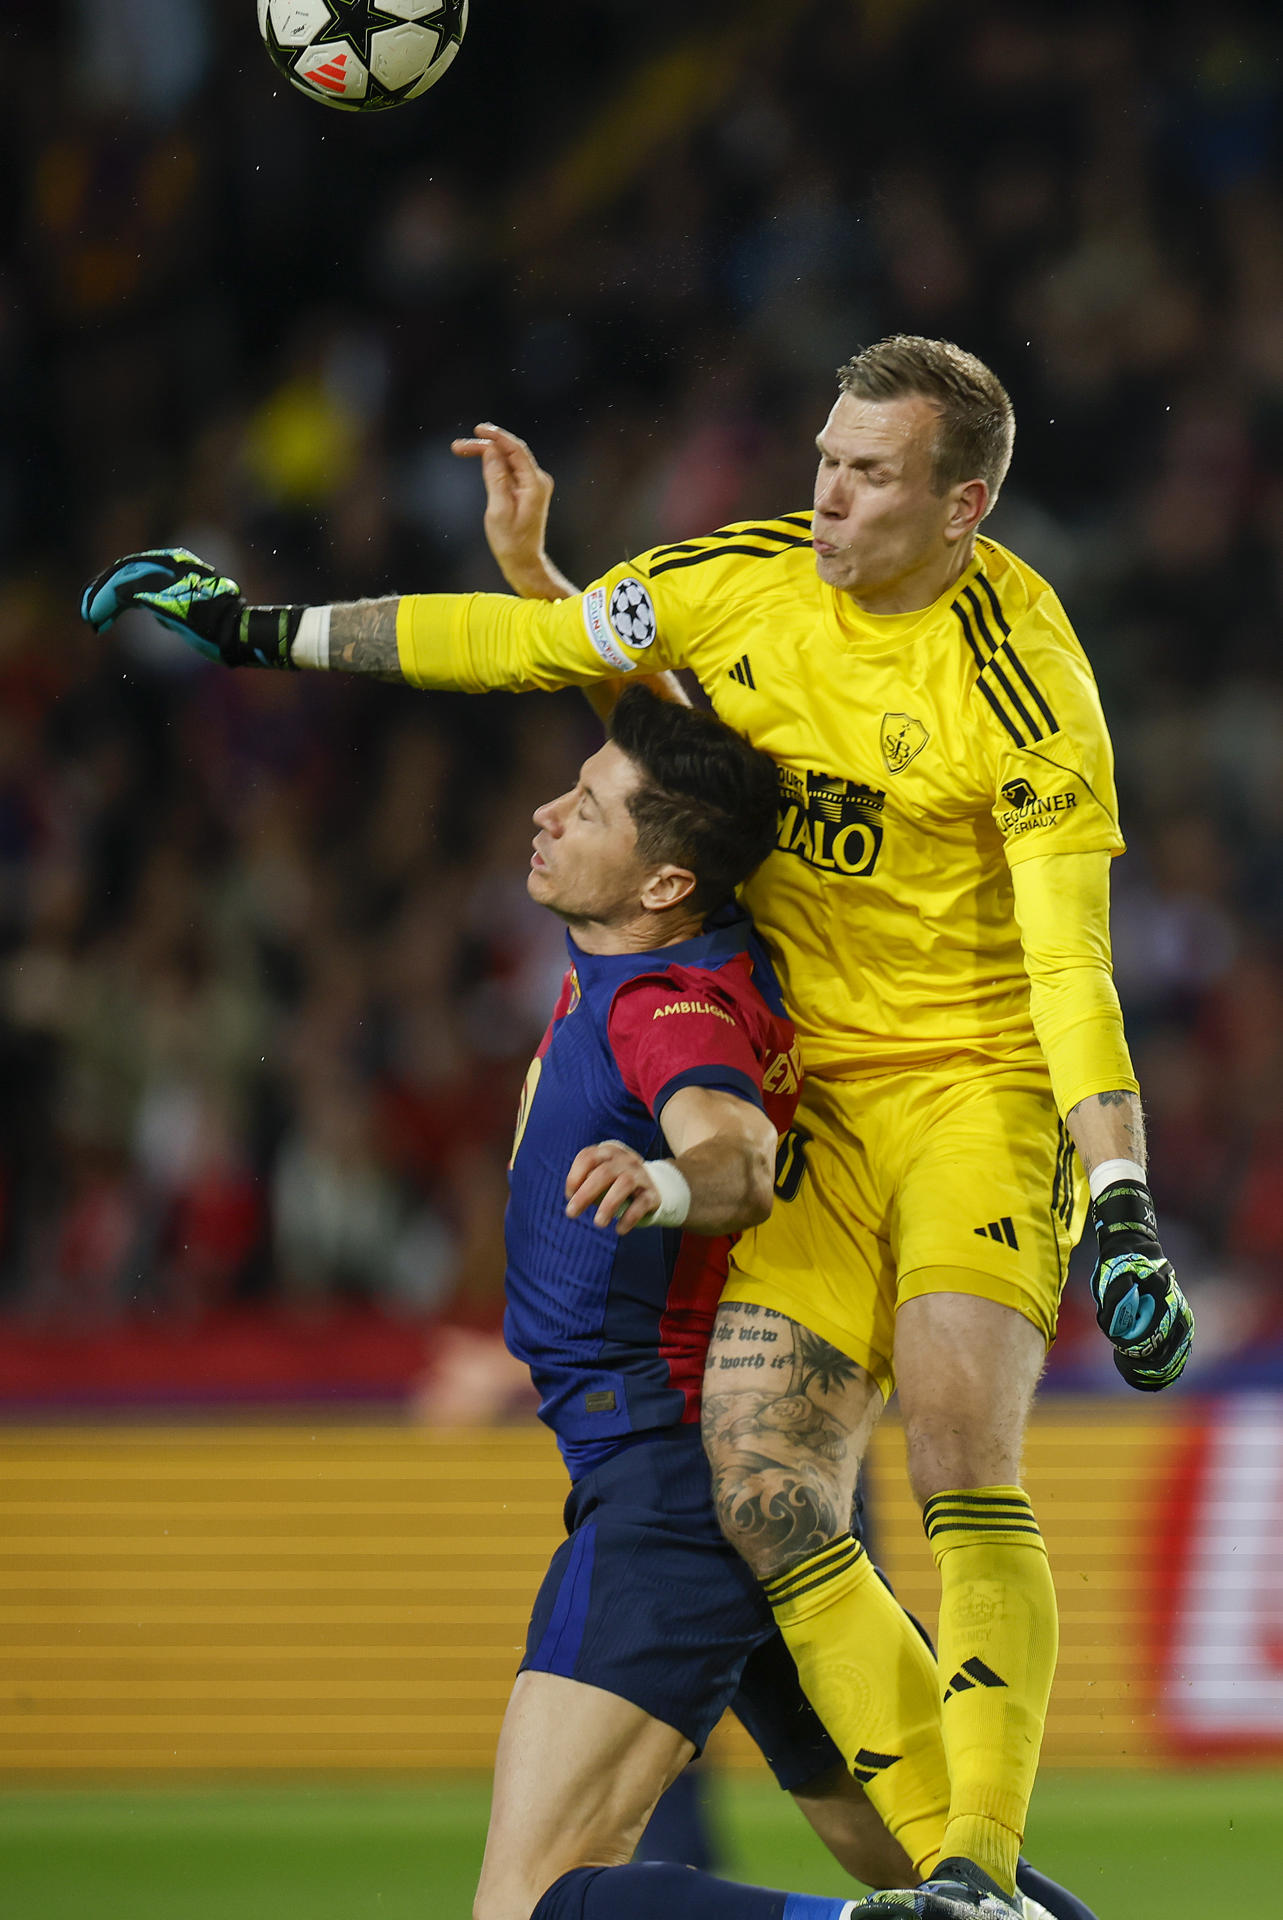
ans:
(877, 519)
(585, 864)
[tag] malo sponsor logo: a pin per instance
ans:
(831, 823)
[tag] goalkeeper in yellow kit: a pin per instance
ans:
(938, 908)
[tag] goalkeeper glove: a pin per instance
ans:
(192, 598)
(1139, 1305)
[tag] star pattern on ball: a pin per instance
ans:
(340, 30)
(357, 21)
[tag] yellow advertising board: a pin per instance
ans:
(217, 1600)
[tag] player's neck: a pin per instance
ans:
(641, 935)
(916, 591)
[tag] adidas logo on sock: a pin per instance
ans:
(867, 1764)
(973, 1673)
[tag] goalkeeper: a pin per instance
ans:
(937, 906)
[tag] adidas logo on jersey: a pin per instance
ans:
(999, 1230)
(742, 672)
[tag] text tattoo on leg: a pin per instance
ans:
(782, 1462)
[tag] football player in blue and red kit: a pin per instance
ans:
(646, 1139)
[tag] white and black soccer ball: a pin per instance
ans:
(632, 613)
(360, 55)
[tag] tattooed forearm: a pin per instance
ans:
(363, 638)
(784, 1421)
(1108, 1126)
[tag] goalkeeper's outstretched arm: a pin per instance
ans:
(468, 641)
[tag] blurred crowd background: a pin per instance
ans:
(268, 977)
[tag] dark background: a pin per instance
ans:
(268, 977)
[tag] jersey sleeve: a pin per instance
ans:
(1051, 761)
(623, 623)
(667, 1033)
(1062, 908)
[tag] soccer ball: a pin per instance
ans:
(362, 54)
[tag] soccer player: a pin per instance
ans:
(937, 904)
(646, 1138)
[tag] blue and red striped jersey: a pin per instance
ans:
(614, 1330)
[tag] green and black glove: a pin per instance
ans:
(1139, 1305)
(192, 598)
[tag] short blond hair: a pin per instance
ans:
(977, 423)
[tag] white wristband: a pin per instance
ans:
(674, 1194)
(1108, 1171)
(311, 644)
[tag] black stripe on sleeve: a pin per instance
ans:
(1010, 725)
(766, 533)
(971, 619)
(1001, 622)
(704, 542)
(967, 634)
(716, 553)
(1022, 712)
(993, 665)
(999, 617)
(972, 599)
(1043, 708)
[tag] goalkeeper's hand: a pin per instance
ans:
(192, 598)
(1139, 1305)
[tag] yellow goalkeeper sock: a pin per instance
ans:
(869, 1675)
(997, 1657)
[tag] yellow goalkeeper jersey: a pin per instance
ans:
(922, 757)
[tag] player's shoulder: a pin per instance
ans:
(1021, 656)
(694, 986)
(754, 548)
(722, 987)
(1017, 596)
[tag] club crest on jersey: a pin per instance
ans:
(632, 613)
(903, 738)
(831, 823)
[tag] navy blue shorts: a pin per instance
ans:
(646, 1600)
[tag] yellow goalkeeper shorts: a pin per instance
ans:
(886, 1179)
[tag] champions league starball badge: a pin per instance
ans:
(632, 614)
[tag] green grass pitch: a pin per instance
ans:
(1138, 1846)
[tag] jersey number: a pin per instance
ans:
(790, 1163)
